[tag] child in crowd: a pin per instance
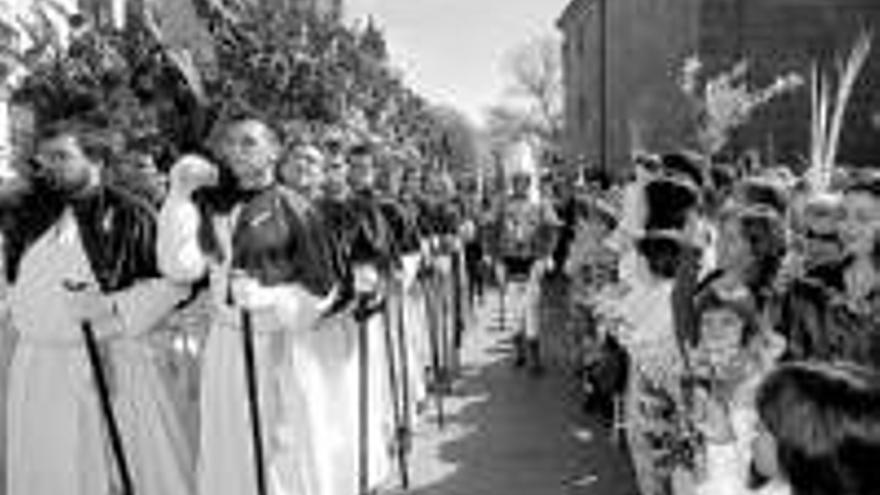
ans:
(731, 356)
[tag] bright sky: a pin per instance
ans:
(451, 51)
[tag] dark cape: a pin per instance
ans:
(359, 234)
(438, 218)
(280, 238)
(341, 222)
(371, 240)
(402, 220)
(821, 322)
(424, 216)
(118, 231)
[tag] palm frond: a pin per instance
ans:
(828, 115)
(853, 66)
(818, 103)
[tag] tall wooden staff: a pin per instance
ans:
(406, 431)
(253, 395)
(110, 421)
(362, 316)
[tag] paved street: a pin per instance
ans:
(509, 433)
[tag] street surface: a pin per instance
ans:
(508, 433)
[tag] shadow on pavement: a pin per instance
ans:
(508, 433)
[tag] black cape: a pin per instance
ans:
(359, 234)
(402, 222)
(280, 238)
(371, 240)
(118, 231)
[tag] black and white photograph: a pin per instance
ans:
(440, 247)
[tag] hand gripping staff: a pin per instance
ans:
(110, 422)
(406, 432)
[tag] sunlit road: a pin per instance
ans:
(508, 433)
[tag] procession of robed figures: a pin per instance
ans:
(316, 305)
(332, 314)
(278, 317)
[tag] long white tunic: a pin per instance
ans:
(57, 440)
(7, 345)
(415, 319)
(335, 397)
(281, 326)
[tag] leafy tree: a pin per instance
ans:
(454, 140)
(277, 59)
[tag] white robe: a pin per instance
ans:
(57, 440)
(7, 345)
(442, 308)
(327, 359)
(415, 321)
(326, 382)
(285, 370)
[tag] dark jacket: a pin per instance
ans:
(118, 232)
(821, 322)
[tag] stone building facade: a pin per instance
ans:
(646, 43)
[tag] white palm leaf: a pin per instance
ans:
(849, 74)
(817, 104)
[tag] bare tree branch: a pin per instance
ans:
(534, 103)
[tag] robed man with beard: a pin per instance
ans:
(72, 230)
